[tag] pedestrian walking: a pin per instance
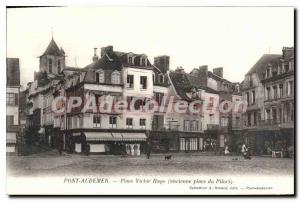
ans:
(243, 150)
(148, 150)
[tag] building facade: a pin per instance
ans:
(268, 89)
(12, 104)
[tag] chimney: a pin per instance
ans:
(162, 62)
(218, 71)
(202, 74)
(179, 69)
(287, 52)
(95, 57)
(106, 50)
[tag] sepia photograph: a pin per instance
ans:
(150, 100)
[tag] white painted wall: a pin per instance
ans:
(211, 83)
(13, 110)
(137, 73)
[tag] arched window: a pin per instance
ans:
(50, 65)
(115, 77)
(100, 76)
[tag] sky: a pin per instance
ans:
(229, 37)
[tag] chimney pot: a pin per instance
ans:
(95, 57)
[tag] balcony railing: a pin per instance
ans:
(267, 124)
(171, 127)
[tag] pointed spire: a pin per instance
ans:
(52, 32)
(53, 49)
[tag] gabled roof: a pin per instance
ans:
(260, 66)
(110, 61)
(184, 83)
(181, 84)
(53, 49)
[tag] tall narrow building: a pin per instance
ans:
(12, 103)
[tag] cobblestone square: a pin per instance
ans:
(180, 164)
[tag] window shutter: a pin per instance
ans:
(16, 99)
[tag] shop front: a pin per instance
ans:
(117, 143)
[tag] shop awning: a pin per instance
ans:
(11, 138)
(134, 136)
(117, 136)
(105, 136)
(93, 136)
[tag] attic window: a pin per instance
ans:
(115, 77)
(143, 62)
(100, 76)
(130, 60)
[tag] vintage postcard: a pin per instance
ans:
(150, 101)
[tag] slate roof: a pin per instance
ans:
(260, 66)
(184, 83)
(110, 61)
(115, 60)
(12, 72)
(53, 49)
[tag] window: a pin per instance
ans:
(248, 98)
(280, 115)
(194, 125)
(143, 123)
(113, 121)
(186, 125)
(80, 122)
(115, 77)
(211, 118)
(130, 60)
(279, 70)
(130, 81)
(96, 121)
(143, 62)
(69, 122)
(274, 92)
(268, 114)
(291, 87)
(100, 77)
(253, 97)
(159, 97)
(58, 66)
(268, 74)
(210, 103)
(254, 118)
(9, 120)
(287, 93)
(286, 67)
(143, 80)
(280, 90)
(11, 99)
(129, 123)
(50, 65)
(274, 114)
(251, 82)
(249, 119)
(75, 122)
(224, 121)
(237, 122)
(268, 93)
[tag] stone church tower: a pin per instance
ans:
(52, 60)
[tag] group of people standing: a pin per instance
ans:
(245, 151)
